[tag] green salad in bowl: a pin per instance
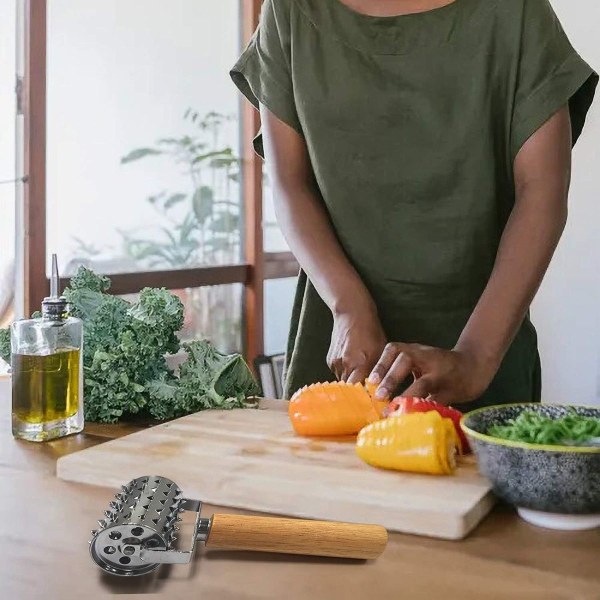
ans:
(542, 458)
(532, 427)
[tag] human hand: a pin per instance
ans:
(446, 376)
(357, 341)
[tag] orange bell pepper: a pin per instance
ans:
(331, 409)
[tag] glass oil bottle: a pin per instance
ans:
(47, 371)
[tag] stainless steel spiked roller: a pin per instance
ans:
(139, 531)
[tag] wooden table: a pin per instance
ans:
(46, 526)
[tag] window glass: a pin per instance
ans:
(143, 134)
(213, 313)
(278, 301)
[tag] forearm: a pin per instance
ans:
(542, 178)
(528, 243)
(310, 236)
(305, 223)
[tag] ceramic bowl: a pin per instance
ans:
(553, 486)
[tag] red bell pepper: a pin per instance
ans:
(403, 405)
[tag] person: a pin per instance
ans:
(420, 153)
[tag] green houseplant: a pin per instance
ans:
(206, 232)
(199, 224)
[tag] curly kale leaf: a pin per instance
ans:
(5, 345)
(117, 378)
(103, 330)
(85, 279)
(157, 317)
(208, 379)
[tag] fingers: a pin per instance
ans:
(335, 366)
(421, 388)
(385, 362)
(443, 395)
(350, 370)
(358, 368)
(358, 375)
(399, 371)
(394, 366)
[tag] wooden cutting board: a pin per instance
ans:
(251, 459)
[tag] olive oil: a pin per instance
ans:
(47, 371)
(46, 387)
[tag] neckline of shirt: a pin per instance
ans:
(392, 35)
(399, 17)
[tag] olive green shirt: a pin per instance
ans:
(412, 124)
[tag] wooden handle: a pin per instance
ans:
(297, 536)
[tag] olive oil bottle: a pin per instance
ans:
(47, 371)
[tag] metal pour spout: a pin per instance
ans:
(54, 279)
(54, 307)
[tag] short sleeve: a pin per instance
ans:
(550, 74)
(263, 71)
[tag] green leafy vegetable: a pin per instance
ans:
(535, 428)
(5, 344)
(124, 348)
(207, 379)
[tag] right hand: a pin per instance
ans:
(357, 342)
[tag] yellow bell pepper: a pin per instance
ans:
(416, 442)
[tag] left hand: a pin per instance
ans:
(446, 376)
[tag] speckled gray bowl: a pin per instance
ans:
(562, 480)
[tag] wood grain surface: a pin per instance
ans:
(251, 459)
(297, 536)
(45, 532)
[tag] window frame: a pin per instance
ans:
(252, 272)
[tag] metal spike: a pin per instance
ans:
(102, 523)
(94, 532)
(125, 489)
(115, 505)
(108, 514)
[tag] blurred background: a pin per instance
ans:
(149, 176)
(144, 170)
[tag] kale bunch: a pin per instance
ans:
(5, 344)
(124, 350)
